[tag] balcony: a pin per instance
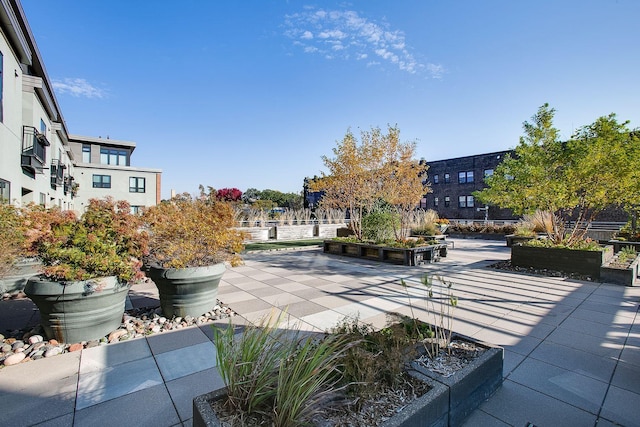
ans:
(57, 173)
(33, 150)
(70, 186)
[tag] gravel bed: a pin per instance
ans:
(506, 265)
(23, 345)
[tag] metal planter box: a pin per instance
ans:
(429, 410)
(402, 256)
(560, 259)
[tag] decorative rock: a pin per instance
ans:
(6, 348)
(93, 343)
(53, 352)
(35, 338)
(36, 354)
(162, 320)
(75, 347)
(155, 329)
(38, 345)
(1, 337)
(115, 335)
(14, 359)
(54, 342)
(10, 340)
(17, 344)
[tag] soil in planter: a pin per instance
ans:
(448, 361)
(354, 412)
(375, 383)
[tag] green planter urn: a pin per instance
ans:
(187, 291)
(78, 311)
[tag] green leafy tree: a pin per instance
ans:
(575, 180)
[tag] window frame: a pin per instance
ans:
(113, 156)
(1, 87)
(101, 183)
(447, 178)
(465, 177)
(436, 179)
(136, 188)
(447, 201)
(86, 150)
(5, 188)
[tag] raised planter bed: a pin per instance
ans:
(621, 276)
(429, 410)
(403, 256)
(471, 385)
(484, 236)
(619, 244)
(559, 259)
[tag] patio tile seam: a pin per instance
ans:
(559, 399)
(617, 359)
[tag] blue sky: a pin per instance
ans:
(252, 93)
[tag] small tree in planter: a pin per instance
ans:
(574, 179)
(88, 266)
(190, 240)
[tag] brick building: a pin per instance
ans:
(453, 182)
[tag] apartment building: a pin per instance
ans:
(40, 161)
(453, 182)
(102, 167)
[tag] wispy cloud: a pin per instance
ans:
(345, 34)
(78, 87)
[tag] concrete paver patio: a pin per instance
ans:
(572, 348)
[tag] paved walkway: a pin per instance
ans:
(572, 348)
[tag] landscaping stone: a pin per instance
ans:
(136, 323)
(14, 359)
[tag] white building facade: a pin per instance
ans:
(40, 162)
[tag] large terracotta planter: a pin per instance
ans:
(187, 291)
(78, 311)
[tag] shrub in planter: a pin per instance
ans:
(277, 373)
(12, 240)
(379, 226)
(88, 265)
(190, 239)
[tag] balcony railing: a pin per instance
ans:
(57, 173)
(34, 154)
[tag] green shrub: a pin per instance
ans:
(378, 226)
(579, 245)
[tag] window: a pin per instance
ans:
(43, 199)
(464, 177)
(5, 191)
(447, 178)
(1, 79)
(465, 201)
(86, 153)
(447, 201)
(111, 156)
(101, 181)
(136, 185)
(435, 202)
(435, 178)
(43, 127)
(488, 173)
(136, 209)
